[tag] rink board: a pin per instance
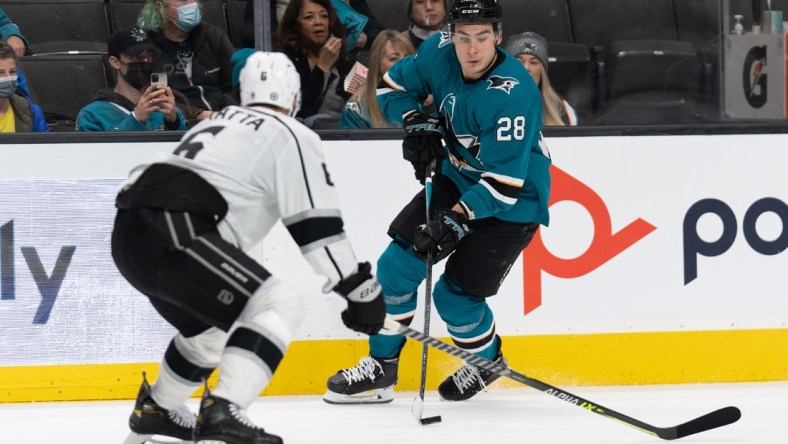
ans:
(620, 289)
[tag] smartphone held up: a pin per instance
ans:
(159, 78)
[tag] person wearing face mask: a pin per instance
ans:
(17, 113)
(195, 55)
(134, 104)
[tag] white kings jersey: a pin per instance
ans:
(269, 166)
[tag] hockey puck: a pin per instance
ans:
(431, 420)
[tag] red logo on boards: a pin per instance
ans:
(604, 246)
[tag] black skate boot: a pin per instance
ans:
(469, 380)
(149, 419)
(221, 421)
(372, 381)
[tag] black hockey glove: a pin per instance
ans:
(441, 235)
(365, 306)
(423, 141)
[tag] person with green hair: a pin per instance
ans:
(195, 54)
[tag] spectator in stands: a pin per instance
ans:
(314, 39)
(10, 33)
(195, 55)
(17, 113)
(371, 29)
(363, 109)
(531, 49)
(427, 18)
(134, 104)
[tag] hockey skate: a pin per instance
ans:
(222, 422)
(149, 421)
(372, 381)
(469, 380)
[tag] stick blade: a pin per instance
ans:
(418, 408)
(431, 420)
(717, 418)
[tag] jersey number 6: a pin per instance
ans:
(189, 149)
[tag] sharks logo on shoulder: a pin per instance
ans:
(505, 84)
(445, 39)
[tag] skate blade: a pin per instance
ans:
(138, 438)
(378, 396)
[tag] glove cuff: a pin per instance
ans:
(365, 292)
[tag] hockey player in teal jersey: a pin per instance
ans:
(489, 195)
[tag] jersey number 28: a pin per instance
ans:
(509, 128)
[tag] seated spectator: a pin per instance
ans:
(531, 49)
(134, 104)
(17, 113)
(195, 55)
(10, 33)
(363, 109)
(371, 29)
(314, 39)
(427, 18)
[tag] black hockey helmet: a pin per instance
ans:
(475, 11)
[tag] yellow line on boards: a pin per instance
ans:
(561, 360)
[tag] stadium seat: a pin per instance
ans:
(548, 18)
(570, 69)
(698, 22)
(61, 25)
(653, 82)
(601, 22)
(236, 19)
(392, 14)
(63, 84)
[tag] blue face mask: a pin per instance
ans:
(7, 86)
(189, 17)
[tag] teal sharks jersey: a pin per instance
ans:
(495, 152)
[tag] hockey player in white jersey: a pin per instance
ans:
(183, 225)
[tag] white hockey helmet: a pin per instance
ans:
(269, 78)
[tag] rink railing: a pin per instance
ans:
(664, 263)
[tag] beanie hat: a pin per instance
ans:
(528, 43)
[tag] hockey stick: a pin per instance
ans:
(717, 418)
(418, 403)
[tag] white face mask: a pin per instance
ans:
(8, 86)
(189, 17)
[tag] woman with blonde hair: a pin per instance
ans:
(363, 109)
(531, 49)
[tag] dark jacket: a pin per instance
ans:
(211, 78)
(312, 81)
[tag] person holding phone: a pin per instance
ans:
(141, 99)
